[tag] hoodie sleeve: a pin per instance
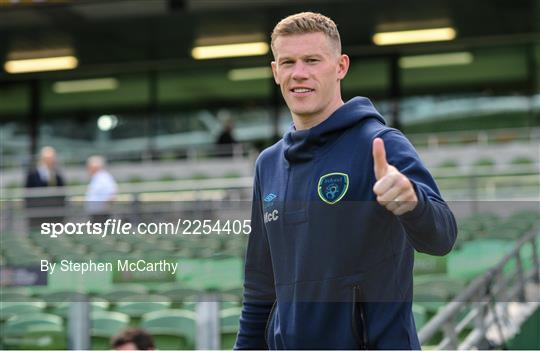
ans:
(431, 226)
(259, 292)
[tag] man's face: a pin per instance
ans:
(48, 158)
(309, 70)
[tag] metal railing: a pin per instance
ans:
(479, 137)
(465, 321)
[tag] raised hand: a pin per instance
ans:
(393, 189)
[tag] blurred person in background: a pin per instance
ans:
(45, 206)
(132, 339)
(226, 140)
(101, 190)
(46, 172)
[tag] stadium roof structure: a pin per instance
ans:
(138, 53)
(134, 35)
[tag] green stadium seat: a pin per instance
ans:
(10, 309)
(224, 304)
(137, 307)
(19, 324)
(428, 264)
(96, 304)
(106, 324)
(37, 337)
(171, 329)
(57, 298)
(476, 257)
(18, 290)
(120, 291)
(420, 316)
(431, 292)
(14, 296)
(229, 319)
(179, 295)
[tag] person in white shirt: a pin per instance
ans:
(101, 190)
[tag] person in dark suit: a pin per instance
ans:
(225, 142)
(44, 174)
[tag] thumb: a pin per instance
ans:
(379, 158)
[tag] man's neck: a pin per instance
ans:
(302, 122)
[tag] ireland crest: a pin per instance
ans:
(332, 187)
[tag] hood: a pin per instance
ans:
(301, 145)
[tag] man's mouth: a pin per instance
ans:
(302, 90)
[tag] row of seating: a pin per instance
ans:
(437, 280)
(171, 329)
(22, 250)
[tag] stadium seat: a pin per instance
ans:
(58, 298)
(105, 324)
(229, 326)
(96, 304)
(420, 316)
(19, 324)
(171, 329)
(433, 291)
(476, 257)
(428, 264)
(179, 295)
(121, 291)
(14, 293)
(37, 337)
(137, 306)
(18, 308)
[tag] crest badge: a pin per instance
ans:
(332, 187)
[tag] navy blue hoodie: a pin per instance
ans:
(330, 268)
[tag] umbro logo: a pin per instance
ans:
(270, 197)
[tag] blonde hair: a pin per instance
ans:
(307, 22)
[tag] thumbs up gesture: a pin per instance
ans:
(394, 190)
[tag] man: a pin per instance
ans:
(132, 339)
(46, 172)
(226, 140)
(101, 190)
(42, 205)
(339, 205)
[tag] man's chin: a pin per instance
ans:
(302, 112)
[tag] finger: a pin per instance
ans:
(400, 210)
(380, 165)
(404, 208)
(392, 206)
(391, 195)
(383, 185)
(386, 182)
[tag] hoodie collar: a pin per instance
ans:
(301, 145)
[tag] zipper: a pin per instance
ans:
(268, 323)
(359, 315)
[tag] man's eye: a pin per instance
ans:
(312, 60)
(286, 62)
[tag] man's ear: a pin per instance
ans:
(343, 66)
(274, 72)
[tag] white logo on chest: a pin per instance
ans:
(271, 216)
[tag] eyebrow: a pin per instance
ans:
(303, 57)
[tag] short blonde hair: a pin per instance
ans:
(307, 22)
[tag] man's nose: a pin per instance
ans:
(299, 71)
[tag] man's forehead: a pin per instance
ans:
(288, 38)
(297, 44)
